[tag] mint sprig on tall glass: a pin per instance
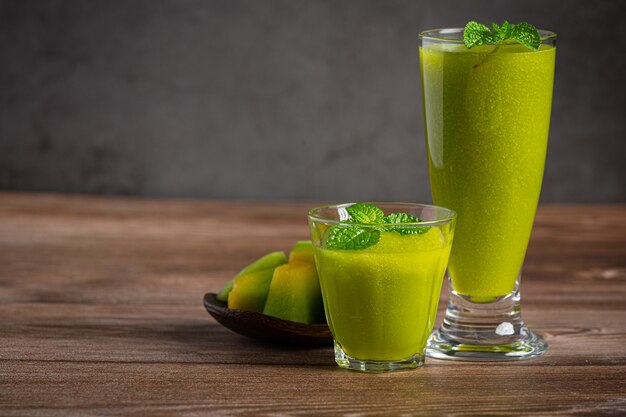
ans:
(476, 34)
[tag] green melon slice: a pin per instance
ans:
(250, 290)
(295, 294)
(302, 251)
(271, 260)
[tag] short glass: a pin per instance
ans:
(486, 117)
(381, 301)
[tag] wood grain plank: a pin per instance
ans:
(101, 314)
(244, 389)
(123, 333)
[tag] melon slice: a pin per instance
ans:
(302, 251)
(250, 290)
(271, 260)
(295, 294)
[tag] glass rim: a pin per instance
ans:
(431, 34)
(450, 214)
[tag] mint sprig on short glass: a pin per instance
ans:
(476, 34)
(400, 218)
(351, 237)
(365, 213)
(360, 236)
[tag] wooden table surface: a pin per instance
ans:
(101, 314)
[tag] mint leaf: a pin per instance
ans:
(399, 218)
(527, 35)
(502, 32)
(356, 237)
(365, 213)
(351, 237)
(476, 34)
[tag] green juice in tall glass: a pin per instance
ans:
(487, 116)
(381, 302)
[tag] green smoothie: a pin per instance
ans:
(381, 301)
(487, 116)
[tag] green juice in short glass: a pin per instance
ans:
(487, 116)
(381, 301)
(381, 267)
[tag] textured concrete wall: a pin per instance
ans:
(276, 99)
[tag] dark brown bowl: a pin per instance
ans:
(267, 328)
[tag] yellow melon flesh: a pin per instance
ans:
(302, 252)
(250, 290)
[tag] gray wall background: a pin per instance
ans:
(276, 99)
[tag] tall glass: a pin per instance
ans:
(486, 116)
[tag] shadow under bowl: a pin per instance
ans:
(267, 328)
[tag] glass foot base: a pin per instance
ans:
(480, 330)
(527, 346)
(347, 362)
